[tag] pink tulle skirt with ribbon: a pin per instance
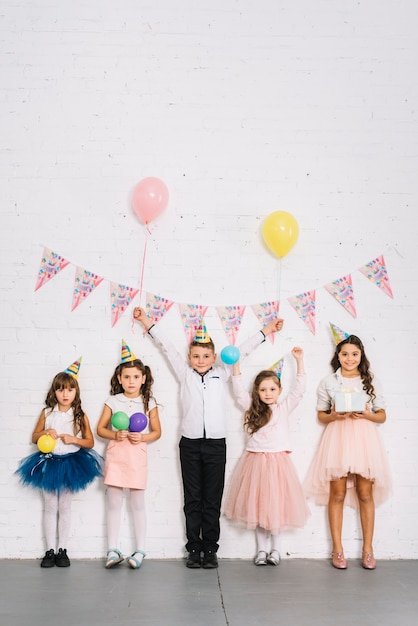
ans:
(265, 491)
(349, 447)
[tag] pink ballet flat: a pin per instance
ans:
(368, 561)
(338, 560)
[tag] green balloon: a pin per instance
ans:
(120, 420)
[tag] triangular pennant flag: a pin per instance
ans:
(338, 334)
(121, 297)
(51, 264)
(231, 318)
(74, 368)
(84, 283)
(376, 272)
(304, 305)
(266, 312)
(277, 367)
(342, 290)
(192, 318)
(156, 307)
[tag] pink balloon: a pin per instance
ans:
(150, 198)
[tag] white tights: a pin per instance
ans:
(264, 538)
(114, 512)
(57, 517)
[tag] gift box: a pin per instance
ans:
(350, 401)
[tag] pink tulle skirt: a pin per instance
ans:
(349, 447)
(265, 491)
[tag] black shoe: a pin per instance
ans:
(61, 558)
(49, 559)
(210, 560)
(193, 560)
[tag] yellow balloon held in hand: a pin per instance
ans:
(280, 232)
(46, 443)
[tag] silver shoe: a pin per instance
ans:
(261, 558)
(273, 558)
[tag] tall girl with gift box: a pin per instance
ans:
(350, 465)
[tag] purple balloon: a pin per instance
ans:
(137, 422)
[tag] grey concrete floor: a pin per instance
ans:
(298, 592)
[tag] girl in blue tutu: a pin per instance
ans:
(64, 463)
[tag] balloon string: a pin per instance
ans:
(143, 264)
(279, 279)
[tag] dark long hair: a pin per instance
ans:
(146, 387)
(66, 381)
(259, 413)
(364, 365)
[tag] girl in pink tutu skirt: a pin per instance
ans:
(350, 465)
(265, 494)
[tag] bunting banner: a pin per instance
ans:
(192, 317)
(231, 318)
(121, 297)
(266, 312)
(304, 305)
(51, 265)
(84, 283)
(156, 307)
(376, 272)
(342, 290)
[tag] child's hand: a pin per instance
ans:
(68, 439)
(140, 316)
(52, 433)
(297, 352)
(121, 435)
(273, 326)
(134, 437)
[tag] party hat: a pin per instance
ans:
(74, 368)
(338, 334)
(126, 354)
(277, 367)
(202, 335)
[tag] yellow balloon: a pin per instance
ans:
(46, 443)
(280, 232)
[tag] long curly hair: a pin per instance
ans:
(259, 413)
(63, 380)
(146, 387)
(364, 365)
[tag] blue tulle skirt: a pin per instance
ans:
(55, 473)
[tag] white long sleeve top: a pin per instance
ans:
(202, 397)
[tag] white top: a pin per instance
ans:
(275, 435)
(336, 382)
(120, 402)
(63, 423)
(202, 398)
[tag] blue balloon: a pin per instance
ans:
(230, 355)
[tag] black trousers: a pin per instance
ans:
(203, 472)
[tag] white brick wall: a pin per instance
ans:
(242, 108)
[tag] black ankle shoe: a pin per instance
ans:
(61, 558)
(49, 559)
(193, 560)
(210, 560)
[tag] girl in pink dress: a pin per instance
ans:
(264, 493)
(126, 464)
(350, 465)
